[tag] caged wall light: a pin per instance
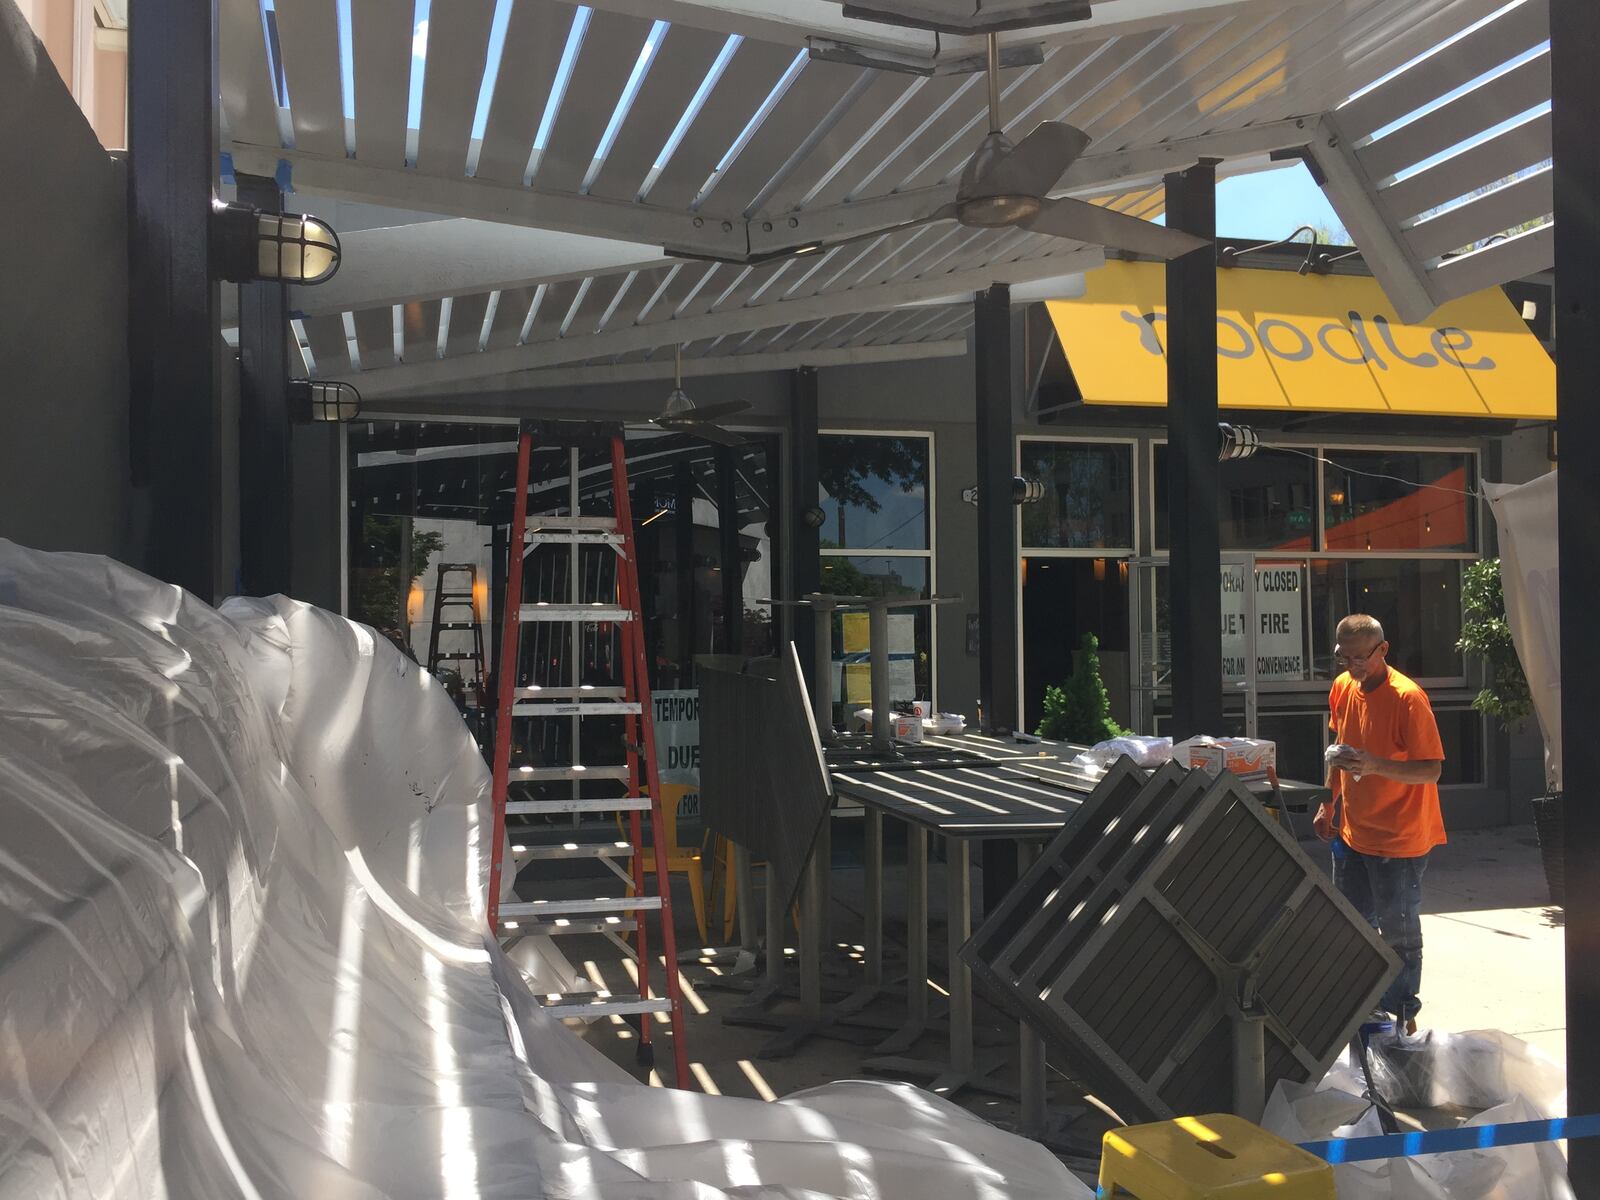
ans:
(250, 245)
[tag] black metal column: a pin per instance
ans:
(175, 428)
(804, 572)
(266, 493)
(1194, 576)
(997, 540)
(997, 551)
(1575, 112)
(732, 567)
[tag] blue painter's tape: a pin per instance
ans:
(284, 176)
(1442, 1141)
(227, 168)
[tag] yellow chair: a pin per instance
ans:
(681, 860)
(1218, 1157)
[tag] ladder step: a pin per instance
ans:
(546, 774)
(461, 626)
(573, 537)
(603, 906)
(585, 1004)
(575, 708)
(546, 808)
(541, 523)
(582, 692)
(564, 926)
(544, 611)
(569, 850)
(455, 658)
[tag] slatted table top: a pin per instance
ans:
(974, 800)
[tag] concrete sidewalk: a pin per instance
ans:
(1492, 944)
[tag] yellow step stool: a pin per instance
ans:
(1217, 1157)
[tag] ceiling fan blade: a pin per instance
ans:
(1038, 160)
(708, 432)
(711, 412)
(1084, 222)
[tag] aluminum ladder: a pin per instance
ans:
(642, 799)
(444, 599)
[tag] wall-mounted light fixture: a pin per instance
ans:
(1023, 491)
(323, 400)
(250, 245)
(813, 517)
(1236, 441)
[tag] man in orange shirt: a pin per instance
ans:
(1384, 816)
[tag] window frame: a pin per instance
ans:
(1324, 450)
(930, 554)
(1025, 550)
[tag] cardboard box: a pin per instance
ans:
(1245, 757)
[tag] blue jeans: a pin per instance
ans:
(1388, 893)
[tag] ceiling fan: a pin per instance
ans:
(681, 415)
(1007, 184)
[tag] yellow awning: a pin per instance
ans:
(1319, 343)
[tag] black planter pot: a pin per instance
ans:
(1548, 824)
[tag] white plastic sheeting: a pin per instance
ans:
(1503, 1075)
(1530, 576)
(242, 949)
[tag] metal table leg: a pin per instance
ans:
(873, 984)
(1031, 1048)
(916, 945)
(963, 1069)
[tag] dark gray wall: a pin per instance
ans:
(65, 482)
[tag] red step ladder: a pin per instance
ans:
(632, 701)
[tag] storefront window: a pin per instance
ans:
(426, 494)
(1268, 501)
(1417, 601)
(875, 492)
(1398, 501)
(875, 498)
(1088, 495)
(1063, 599)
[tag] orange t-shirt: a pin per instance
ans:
(1380, 816)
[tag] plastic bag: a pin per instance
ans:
(1145, 751)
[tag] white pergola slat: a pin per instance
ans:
(592, 93)
(535, 37)
(381, 46)
(313, 75)
(458, 47)
(730, 147)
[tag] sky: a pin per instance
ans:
(1269, 204)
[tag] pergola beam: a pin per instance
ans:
(604, 374)
(509, 204)
(431, 373)
(430, 260)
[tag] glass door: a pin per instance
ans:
(1264, 635)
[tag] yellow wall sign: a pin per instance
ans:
(1322, 343)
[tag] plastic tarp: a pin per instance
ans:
(1503, 1076)
(1530, 577)
(242, 949)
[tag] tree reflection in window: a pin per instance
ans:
(875, 492)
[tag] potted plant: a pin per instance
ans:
(1486, 636)
(1080, 710)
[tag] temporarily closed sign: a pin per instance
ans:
(1279, 639)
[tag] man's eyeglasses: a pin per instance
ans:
(1350, 661)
